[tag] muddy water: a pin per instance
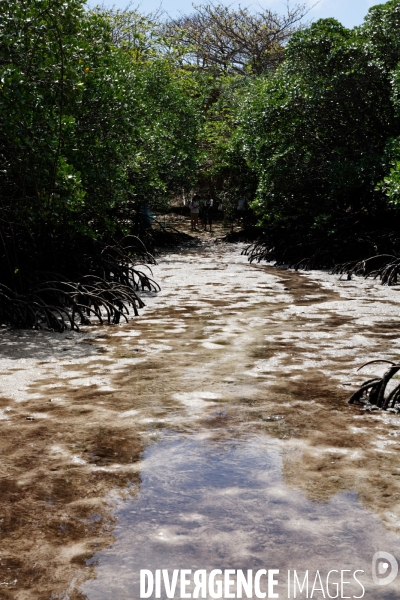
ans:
(206, 504)
(211, 432)
(253, 459)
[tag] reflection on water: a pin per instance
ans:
(210, 504)
(235, 378)
(258, 463)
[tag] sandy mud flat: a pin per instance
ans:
(212, 431)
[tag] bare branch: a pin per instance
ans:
(237, 40)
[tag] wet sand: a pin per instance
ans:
(212, 431)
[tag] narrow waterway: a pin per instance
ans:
(255, 459)
(210, 432)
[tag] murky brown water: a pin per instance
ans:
(221, 416)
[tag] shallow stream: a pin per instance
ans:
(211, 432)
(254, 459)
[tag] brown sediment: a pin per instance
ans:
(271, 352)
(54, 513)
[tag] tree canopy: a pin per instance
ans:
(321, 131)
(103, 111)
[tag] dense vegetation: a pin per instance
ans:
(104, 112)
(322, 134)
(90, 128)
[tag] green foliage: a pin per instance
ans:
(84, 125)
(316, 131)
(391, 182)
(102, 111)
(381, 29)
(165, 157)
(132, 31)
(221, 158)
(39, 84)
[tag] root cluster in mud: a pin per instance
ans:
(302, 252)
(344, 252)
(106, 291)
(386, 267)
(65, 285)
(373, 393)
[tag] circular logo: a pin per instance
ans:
(382, 563)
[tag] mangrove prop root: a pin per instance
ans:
(66, 305)
(386, 267)
(373, 362)
(352, 250)
(374, 391)
(266, 250)
(106, 293)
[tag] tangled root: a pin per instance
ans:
(258, 251)
(106, 293)
(372, 393)
(262, 250)
(299, 244)
(384, 266)
(61, 305)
